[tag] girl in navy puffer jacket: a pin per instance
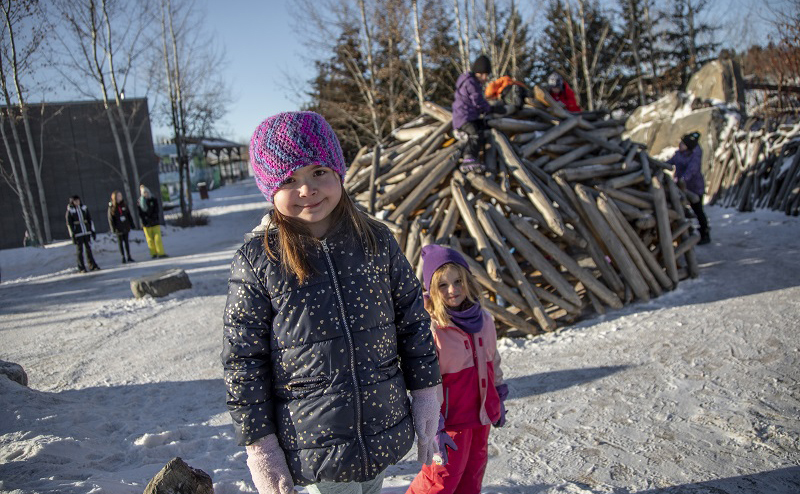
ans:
(324, 328)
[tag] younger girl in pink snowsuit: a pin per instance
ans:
(472, 382)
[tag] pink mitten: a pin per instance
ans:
(268, 467)
(425, 412)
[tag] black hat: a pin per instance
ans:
(691, 139)
(481, 65)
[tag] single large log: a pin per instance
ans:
(603, 159)
(675, 199)
(474, 228)
(664, 232)
(436, 111)
(571, 156)
(614, 245)
(514, 126)
(591, 171)
(549, 136)
(622, 195)
(412, 133)
(561, 257)
(376, 165)
(625, 180)
(534, 193)
(508, 318)
(598, 140)
(449, 223)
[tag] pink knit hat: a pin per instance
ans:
(288, 141)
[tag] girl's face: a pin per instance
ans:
(310, 195)
(452, 287)
(118, 197)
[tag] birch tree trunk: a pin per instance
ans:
(420, 66)
(129, 195)
(584, 61)
(99, 73)
(371, 64)
(23, 110)
(28, 213)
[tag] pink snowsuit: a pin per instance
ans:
(470, 366)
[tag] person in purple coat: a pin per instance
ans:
(688, 160)
(469, 108)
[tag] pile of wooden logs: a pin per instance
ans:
(568, 220)
(757, 169)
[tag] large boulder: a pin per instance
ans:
(179, 478)
(13, 371)
(719, 80)
(161, 284)
(661, 124)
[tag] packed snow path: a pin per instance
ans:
(696, 391)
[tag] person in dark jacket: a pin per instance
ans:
(469, 109)
(688, 163)
(561, 92)
(150, 218)
(81, 230)
(324, 328)
(120, 223)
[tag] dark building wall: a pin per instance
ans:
(79, 156)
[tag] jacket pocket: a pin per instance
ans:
(388, 368)
(446, 401)
(302, 386)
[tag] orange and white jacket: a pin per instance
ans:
(470, 367)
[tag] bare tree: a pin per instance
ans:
(17, 13)
(195, 98)
(420, 80)
(99, 33)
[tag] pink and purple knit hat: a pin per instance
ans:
(288, 141)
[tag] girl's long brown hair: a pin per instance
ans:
(294, 238)
(438, 306)
(114, 198)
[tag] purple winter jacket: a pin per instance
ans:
(468, 102)
(688, 167)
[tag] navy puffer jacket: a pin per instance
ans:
(326, 365)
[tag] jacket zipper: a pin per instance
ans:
(359, 433)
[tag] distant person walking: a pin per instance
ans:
(120, 223)
(150, 218)
(81, 230)
(688, 163)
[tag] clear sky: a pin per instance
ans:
(264, 50)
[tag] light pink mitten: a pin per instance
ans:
(425, 412)
(268, 467)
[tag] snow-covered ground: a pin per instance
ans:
(696, 391)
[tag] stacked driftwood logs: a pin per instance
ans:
(757, 169)
(568, 218)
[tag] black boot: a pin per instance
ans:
(123, 260)
(705, 238)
